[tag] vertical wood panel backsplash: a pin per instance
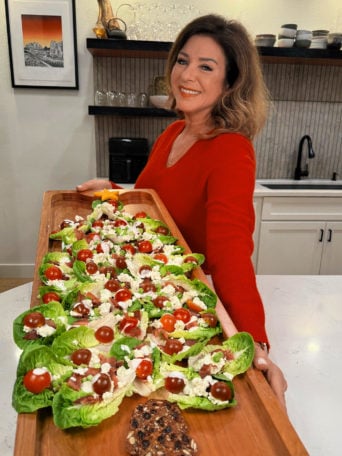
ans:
(307, 99)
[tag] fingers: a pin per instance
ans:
(274, 376)
(93, 184)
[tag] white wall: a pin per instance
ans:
(47, 138)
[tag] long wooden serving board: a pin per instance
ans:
(256, 426)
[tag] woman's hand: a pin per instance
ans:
(272, 372)
(94, 184)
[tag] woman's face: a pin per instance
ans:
(198, 76)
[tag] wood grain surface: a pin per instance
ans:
(256, 426)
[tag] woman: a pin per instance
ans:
(203, 165)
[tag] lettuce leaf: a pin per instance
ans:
(23, 400)
(54, 311)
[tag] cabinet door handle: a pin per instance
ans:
(329, 235)
(321, 235)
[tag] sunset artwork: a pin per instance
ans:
(42, 40)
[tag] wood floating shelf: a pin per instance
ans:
(127, 111)
(160, 49)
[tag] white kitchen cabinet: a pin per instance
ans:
(257, 203)
(300, 236)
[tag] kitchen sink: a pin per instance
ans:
(302, 186)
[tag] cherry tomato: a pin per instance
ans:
(50, 296)
(174, 385)
(159, 301)
(91, 267)
(168, 322)
(120, 222)
(162, 230)
(37, 380)
(161, 257)
(182, 314)
(97, 224)
(53, 273)
(147, 285)
(144, 369)
(113, 203)
(84, 254)
(123, 295)
(104, 334)
(129, 248)
(128, 323)
(81, 309)
(172, 346)
(102, 384)
(112, 285)
(221, 391)
(193, 306)
(81, 356)
(34, 320)
(99, 248)
(143, 269)
(145, 246)
(121, 263)
(190, 259)
(210, 319)
(141, 214)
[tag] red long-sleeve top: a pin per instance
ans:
(209, 194)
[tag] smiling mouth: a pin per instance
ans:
(188, 92)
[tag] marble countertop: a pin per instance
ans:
(304, 322)
(261, 190)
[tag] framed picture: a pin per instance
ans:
(42, 43)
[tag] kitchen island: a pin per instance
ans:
(304, 322)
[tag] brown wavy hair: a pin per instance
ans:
(243, 106)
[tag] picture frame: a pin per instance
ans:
(42, 43)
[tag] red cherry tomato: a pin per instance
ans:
(193, 306)
(112, 285)
(210, 319)
(145, 246)
(120, 222)
(161, 257)
(141, 214)
(172, 346)
(104, 334)
(37, 380)
(91, 267)
(144, 369)
(221, 391)
(34, 320)
(190, 259)
(160, 301)
(182, 314)
(81, 356)
(53, 273)
(102, 384)
(50, 296)
(162, 230)
(84, 254)
(128, 323)
(147, 285)
(120, 263)
(81, 309)
(97, 224)
(129, 248)
(168, 322)
(174, 385)
(123, 295)
(113, 203)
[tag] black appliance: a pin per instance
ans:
(127, 157)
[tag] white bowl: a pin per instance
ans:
(159, 101)
(288, 32)
(285, 42)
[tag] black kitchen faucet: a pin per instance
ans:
(299, 172)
